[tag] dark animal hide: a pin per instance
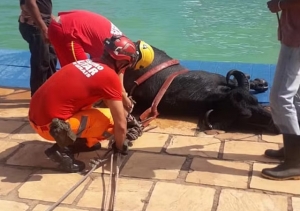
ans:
(219, 102)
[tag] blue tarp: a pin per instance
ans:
(15, 70)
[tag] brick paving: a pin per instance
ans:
(171, 168)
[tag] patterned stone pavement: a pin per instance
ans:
(170, 168)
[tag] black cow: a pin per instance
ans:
(219, 102)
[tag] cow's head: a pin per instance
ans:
(239, 106)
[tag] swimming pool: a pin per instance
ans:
(206, 30)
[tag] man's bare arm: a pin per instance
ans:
(121, 77)
(120, 124)
(35, 14)
(126, 101)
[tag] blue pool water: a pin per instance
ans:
(206, 30)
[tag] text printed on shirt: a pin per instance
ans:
(87, 67)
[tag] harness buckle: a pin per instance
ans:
(148, 116)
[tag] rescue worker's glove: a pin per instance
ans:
(124, 150)
(134, 128)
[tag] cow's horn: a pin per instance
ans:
(240, 77)
(206, 119)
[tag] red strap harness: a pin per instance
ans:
(151, 113)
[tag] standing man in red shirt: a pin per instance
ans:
(285, 92)
(77, 32)
(61, 109)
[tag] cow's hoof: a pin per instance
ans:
(259, 85)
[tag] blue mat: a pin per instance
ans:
(15, 70)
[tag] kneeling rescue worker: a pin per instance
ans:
(61, 109)
(76, 33)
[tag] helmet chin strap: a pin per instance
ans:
(119, 69)
(109, 61)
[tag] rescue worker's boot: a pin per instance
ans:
(62, 133)
(64, 136)
(290, 168)
(65, 158)
(60, 152)
(275, 154)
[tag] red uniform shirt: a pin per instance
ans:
(91, 29)
(72, 88)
